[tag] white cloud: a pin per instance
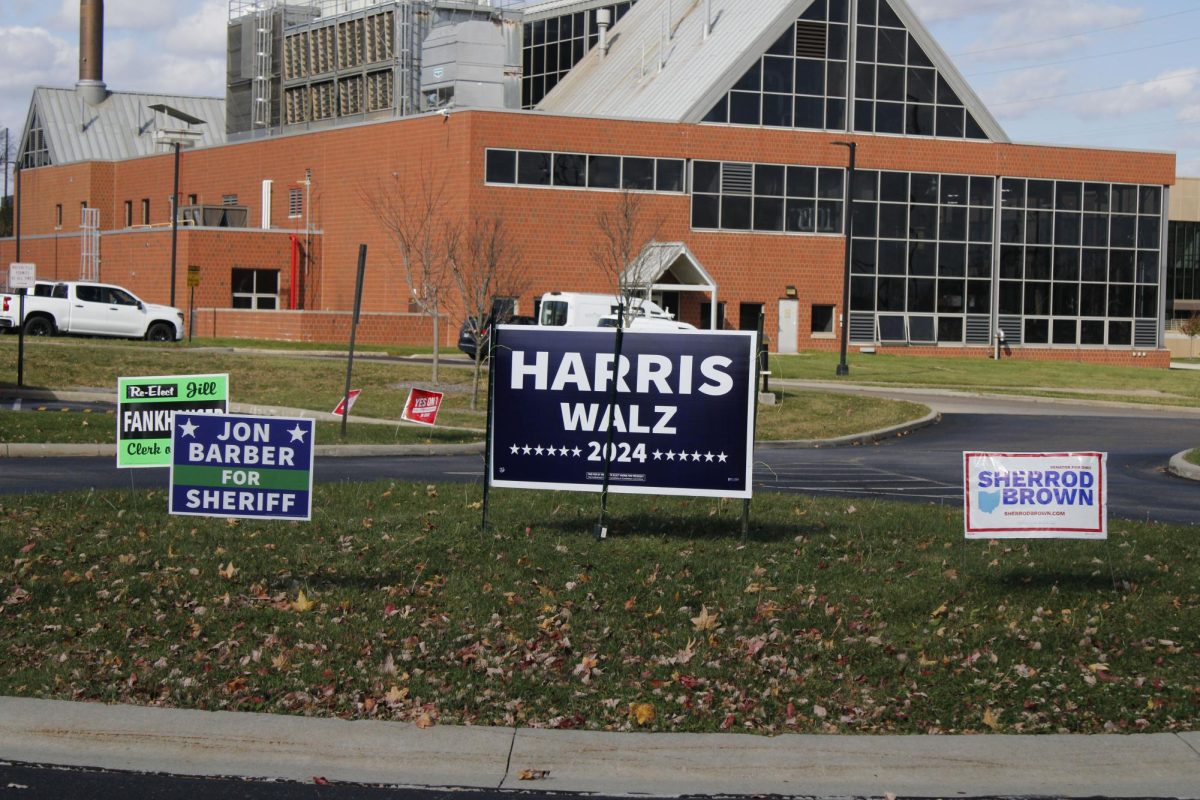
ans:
(1030, 29)
(940, 10)
(136, 15)
(30, 57)
(1021, 93)
(1164, 91)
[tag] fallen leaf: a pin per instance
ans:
(990, 719)
(302, 603)
(706, 621)
(534, 774)
(227, 571)
(396, 694)
(425, 721)
(643, 713)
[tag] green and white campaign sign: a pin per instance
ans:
(146, 405)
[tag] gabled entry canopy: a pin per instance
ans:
(670, 267)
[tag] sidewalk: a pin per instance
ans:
(654, 764)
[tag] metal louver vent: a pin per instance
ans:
(737, 179)
(810, 39)
(979, 330)
(862, 327)
(1012, 329)
(1145, 334)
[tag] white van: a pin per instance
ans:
(582, 310)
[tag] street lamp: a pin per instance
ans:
(848, 224)
(176, 138)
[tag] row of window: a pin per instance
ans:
(773, 198)
(584, 171)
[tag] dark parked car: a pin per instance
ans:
(470, 334)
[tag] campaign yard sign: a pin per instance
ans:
(1035, 495)
(342, 406)
(146, 405)
(241, 466)
(422, 406)
(681, 422)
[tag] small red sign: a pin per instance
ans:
(340, 411)
(422, 406)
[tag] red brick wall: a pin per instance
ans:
(316, 326)
(556, 228)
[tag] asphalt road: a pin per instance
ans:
(925, 466)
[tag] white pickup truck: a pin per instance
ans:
(90, 309)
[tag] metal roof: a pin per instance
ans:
(660, 70)
(121, 127)
(661, 66)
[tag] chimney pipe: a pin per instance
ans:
(603, 20)
(91, 52)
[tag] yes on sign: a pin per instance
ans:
(422, 406)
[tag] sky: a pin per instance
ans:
(1094, 73)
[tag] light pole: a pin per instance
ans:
(848, 224)
(176, 138)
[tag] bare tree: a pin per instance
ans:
(8, 155)
(485, 264)
(1190, 328)
(626, 232)
(415, 216)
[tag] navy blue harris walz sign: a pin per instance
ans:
(240, 466)
(682, 418)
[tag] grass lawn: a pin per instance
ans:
(836, 616)
(318, 383)
(1193, 456)
(1037, 378)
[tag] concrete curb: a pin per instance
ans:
(284, 747)
(324, 450)
(869, 437)
(1183, 468)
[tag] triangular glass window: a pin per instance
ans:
(800, 82)
(898, 89)
(36, 152)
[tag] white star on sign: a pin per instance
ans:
(514, 450)
(658, 455)
(576, 452)
(188, 428)
(539, 450)
(722, 457)
(297, 433)
(670, 455)
(708, 456)
(696, 456)
(526, 450)
(562, 451)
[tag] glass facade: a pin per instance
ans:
(583, 171)
(551, 47)
(1183, 269)
(1079, 262)
(771, 198)
(921, 257)
(803, 80)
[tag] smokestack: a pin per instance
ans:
(91, 52)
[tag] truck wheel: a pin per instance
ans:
(39, 326)
(160, 332)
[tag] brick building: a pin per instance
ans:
(729, 124)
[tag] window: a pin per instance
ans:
(801, 81)
(229, 199)
(128, 213)
(583, 171)
(897, 89)
(766, 197)
(295, 203)
(145, 210)
(192, 200)
(58, 216)
(551, 47)
(255, 288)
(822, 320)
(921, 258)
